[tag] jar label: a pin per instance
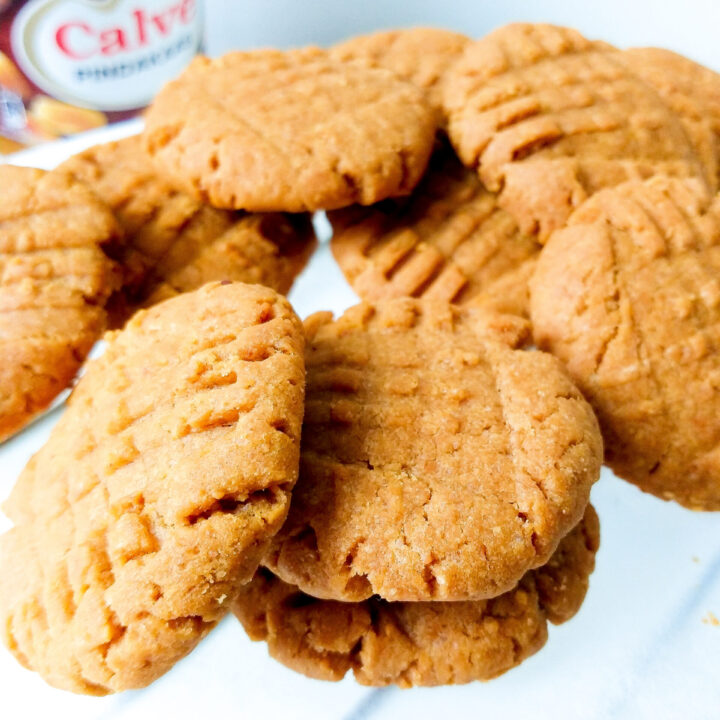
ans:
(110, 55)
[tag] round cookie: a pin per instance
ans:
(157, 492)
(174, 243)
(693, 92)
(449, 241)
(419, 55)
(290, 131)
(628, 297)
(439, 462)
(54, 282)
(548, 117)
(425, 643)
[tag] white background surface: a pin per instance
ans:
(639, 648)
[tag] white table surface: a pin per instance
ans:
(641, 647)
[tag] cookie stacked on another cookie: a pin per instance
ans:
(441, 467)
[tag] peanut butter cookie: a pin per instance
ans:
(548, 118)
(175, 243)
(690, 90)
(439, 462)
(157, 492)
(449, 241)
(268, 130)
(628, 297)
(419, 55)
(54, 282)
(423, 643)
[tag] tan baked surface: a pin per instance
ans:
(419, 55)
(270, 130)
(175, 243)
(157, 492)
(438, 461)
(549, 117)
(425, 643)
(693, 92)
(449, 241)
(54, 281)
(628, 297)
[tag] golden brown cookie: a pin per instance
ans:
(54, 282)
(424, 643)
(419, 55)
(449, 241)
(174, 243)
(548, 118)
(690, 90)
(628, 297)
(439, 462)
(157, 492)
(269, 130)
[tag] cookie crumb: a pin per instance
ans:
(711, 619)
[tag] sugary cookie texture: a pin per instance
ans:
(290, 131)
(628, 297)
(175, 243)
(54, 282)
(449, 241)
(157, 492)
(420, 643)
(439, 461)
(548, 118)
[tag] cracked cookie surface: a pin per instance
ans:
(449, 241)
(157, 492)
(54, 282)
(289, 131)
(439, 462)
(548, 117)
(419, 55)
(421, 643)
(175, 243)
(628, 297)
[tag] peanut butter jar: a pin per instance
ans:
(67, 66)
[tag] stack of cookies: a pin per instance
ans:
(402, 491)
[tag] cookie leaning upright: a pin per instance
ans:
(158, 490)
(548, 117)
(420, 643)
(449, 241)
(439, 461)
(54, 282)
(268, 130)
(628, 297)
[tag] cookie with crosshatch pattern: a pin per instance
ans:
(268, 130)
(55, 279)
(449, 241)
(174, 243)
(548, 117)
(627, 296)
(157, 492)
(440, 461)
